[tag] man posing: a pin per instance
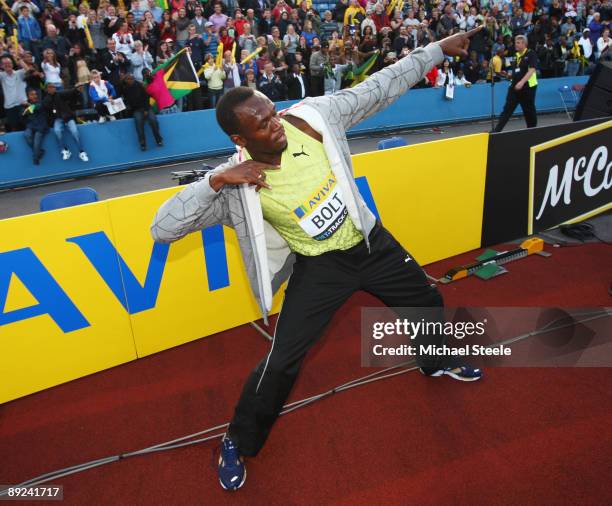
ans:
(331, 249)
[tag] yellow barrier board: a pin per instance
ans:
(67, 323)
(85, 288)
(186, 308)
(430, 195)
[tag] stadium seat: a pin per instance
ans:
(392, 142)
(68, 198)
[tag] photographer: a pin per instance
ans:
(112, 22)
(247, 40)
(75, 34)
(210, 39)
(280, 7)
(230, 68)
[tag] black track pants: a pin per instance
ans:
(526, 99)
(317, 288)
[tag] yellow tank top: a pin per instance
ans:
(306, 206)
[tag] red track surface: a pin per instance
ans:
(520, 436)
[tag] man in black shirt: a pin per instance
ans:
(522, 90)
(472, 68)
(137, 99)
(60, 106)
(297, 85)
(480, 42)
(546, 57)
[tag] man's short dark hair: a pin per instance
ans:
(226, 117)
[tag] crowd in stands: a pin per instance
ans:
(89, 52)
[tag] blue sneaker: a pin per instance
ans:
(460, 373)
(231, 468)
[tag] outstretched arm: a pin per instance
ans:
(352, 105)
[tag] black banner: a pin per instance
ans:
(571, 178)
(506, 200)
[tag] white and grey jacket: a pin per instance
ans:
(266, 255)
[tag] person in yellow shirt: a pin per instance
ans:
(496, 66)
(215, 76)
(354, 14)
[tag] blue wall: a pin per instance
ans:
(114, 146)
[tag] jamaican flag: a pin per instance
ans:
(30, 109)
(179, 78)
(180, 74)
(360, 74)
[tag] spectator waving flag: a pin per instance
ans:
(179, 78)
(162, 3)
(360, 74)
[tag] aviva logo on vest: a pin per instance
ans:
(28, 267)
(316, 198)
